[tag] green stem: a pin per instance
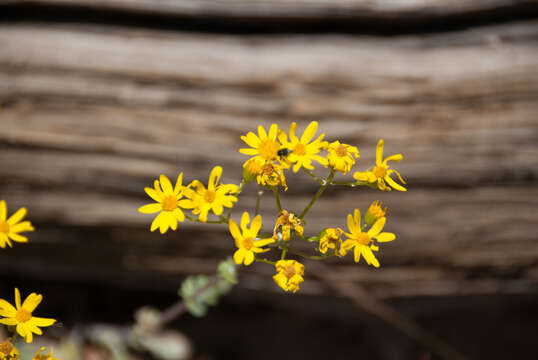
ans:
(318, 179)
(349, 183)
(306, 256)
(324, 186)
(258, 199)
(284, 251)
(193, 219)
(277, 198)
(265, 261)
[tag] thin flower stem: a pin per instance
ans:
(241, 185)
(258, 199)
(324, 186)
(306, 256)
(284, 251)
(193, 219)
(277, 198)
(349, 183)
(318, 179)
(265, 261)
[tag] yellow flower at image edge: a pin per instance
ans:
(168, 203)
(38, 355)
(289, 274)
(361, 242)
(213, 198)
(302, 150)
(8, 351)
(245, 241)
(21, 317)
(381, 172)
(12, 226)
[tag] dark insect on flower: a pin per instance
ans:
(283, 152)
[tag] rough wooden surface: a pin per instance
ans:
(90, 115)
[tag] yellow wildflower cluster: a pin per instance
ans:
(8, 351)
(271, 153)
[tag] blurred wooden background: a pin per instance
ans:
(93, 107)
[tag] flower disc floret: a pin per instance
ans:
(289, 274)
(21, 316)
(380, 174)
(168, 204)
(374, 212)
(213, 198)
(341, 157)
(302, 150)
(10, 228)
(247, 247)
(361, 242)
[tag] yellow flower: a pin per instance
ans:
(10, 228)
(272, 175)
(381, 172)
(38, 355)
(330, 240)
(245, 241)
(214, 198)
(289, 274)
(264, 146)
(8, 351)
(302, 150)
(21, 316)
(252, 168)
(375, 212)
(341, 156)
(362, 241)
(168, 204)
(286, 222)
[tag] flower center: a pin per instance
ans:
(268, 169)
(299, 149)
(169, 203)
(4, 227)
(341, 150)
(380, 171)
(268, 149)
(248, 243)
(363, 239)
(22, 315)
(289, 271)
(6, 347)
(209, 196)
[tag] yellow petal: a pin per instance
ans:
(153, 194)
(3, 210)
(4, 240)
(9, 321)
(214, 178)
(309, 132)
(369, 256)
(239, 255)
(150, 208)
(42, 322)
(157, 221)
(248, 151)
(273, 131)
(236, 234)
(166, 185)
(357, 254)
(379, 153)
(395, 157)
(393, 184)
(249, 258)
(251, 140)
(217, 208)
(18, 216)
(17, 299)
(31, 302)
(179, 215)
(22, 226)
(357, 218)
(385, 237)
(256, 225)
(6, 309)
(377, 227)
(18, 238)
(351, 224)
(263, 242)
(245, 220)
(179, 182)
(293, 137)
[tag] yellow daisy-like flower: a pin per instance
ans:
(286, 222)
(252, 168)
(381, 172)
(272, 175)
(11, 228)
(21, 315)
(214, 198)
(168, 204)
(245, 241)
(38, 355)
(375, 212)
(289, 274)
(330, 240)
(341, 157)
(361, 242)
(264, 146)
(302, 150)
(8, 351)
